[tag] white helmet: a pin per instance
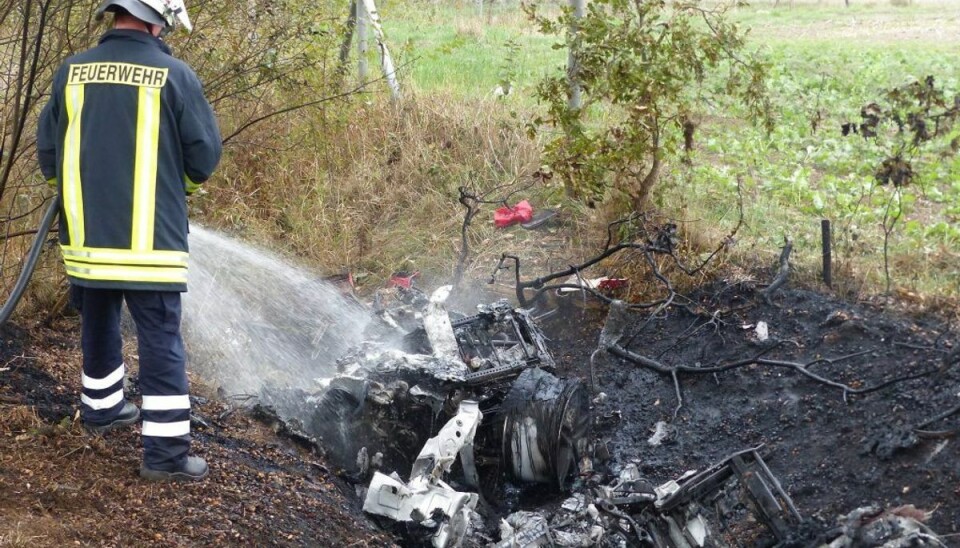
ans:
(165, 13)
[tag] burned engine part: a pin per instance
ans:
(630, 511)
(773, 506)
(426, 499)
(387, 403)
(500, 341)
(473, 407)
(456, 437)
(545, 426)
(899, 527)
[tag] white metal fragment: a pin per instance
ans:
(440, 452)
(660, 433)
(437, 324)
(417, 500)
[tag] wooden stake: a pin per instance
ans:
(826, 244)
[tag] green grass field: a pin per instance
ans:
(827, 61)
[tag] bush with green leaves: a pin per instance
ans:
(649, 71)
(900, 127)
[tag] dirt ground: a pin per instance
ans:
(60, 486)
(831, 456)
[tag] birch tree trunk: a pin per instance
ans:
(386, 61)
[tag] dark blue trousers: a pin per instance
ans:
(163, 375)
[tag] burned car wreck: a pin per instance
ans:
(457, 431)
(390, 401)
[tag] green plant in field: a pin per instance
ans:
(643, 64)
(507, 74)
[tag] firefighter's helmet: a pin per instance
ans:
(166, 13)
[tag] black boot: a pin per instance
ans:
(194, 469)
(128, 415)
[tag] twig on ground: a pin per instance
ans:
(802, 368)
(918, 347)
(936, 434)
(948, 413)
(950, 359)
(74, 450)
(715, 320)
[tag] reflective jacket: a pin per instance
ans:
(126, 135)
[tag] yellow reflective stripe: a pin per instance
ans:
(145, 168)
(52, 181)
(126, 273)
(72, 189)
(125, 256)
(189, 185)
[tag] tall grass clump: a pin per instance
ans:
(371, 186)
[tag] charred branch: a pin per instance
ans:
(802, 368)
(540, 285)
(724, 243)
(921, 429)
(661, 243)
(950, 359)
(782, 273)
(472, 203)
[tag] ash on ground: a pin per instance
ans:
(461, 431)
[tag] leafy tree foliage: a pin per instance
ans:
(257, 59)
(645, 67)
(901, 125)
(910, 117)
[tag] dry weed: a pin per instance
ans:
(16, 420)
(373, 191)
(470, 27)
(17, 536)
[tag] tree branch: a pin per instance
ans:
(802, 368)
(782, 274)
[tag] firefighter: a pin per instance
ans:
(125, 136)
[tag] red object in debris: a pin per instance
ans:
(402, 279)
(506, 216)
(610, 284)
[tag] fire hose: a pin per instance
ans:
(31, 261)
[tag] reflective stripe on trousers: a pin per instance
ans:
(163, 377)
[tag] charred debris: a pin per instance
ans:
(457, 431)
